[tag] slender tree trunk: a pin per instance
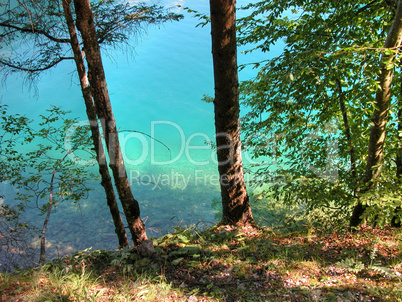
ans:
(96, 75)
(349, 142)
(235, 200)
(95, 133)
(42, 256)
(380, 116)
(347, 131)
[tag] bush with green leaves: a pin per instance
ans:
(309, 109)
(37, 164)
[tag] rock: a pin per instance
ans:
(192, 299)
(146, 248)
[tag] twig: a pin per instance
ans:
(170, 151)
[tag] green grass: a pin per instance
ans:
(225, 264)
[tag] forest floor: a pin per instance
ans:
(225, 265)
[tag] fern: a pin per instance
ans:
(385, 271)
(373, 255)
(377, 267)
(351, 265)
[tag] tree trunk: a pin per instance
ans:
(394, 221)
(380, 116)
(347, 132)
(235, 200)
(96, 75)
(42, 255)
(95, 133)
(399, 154)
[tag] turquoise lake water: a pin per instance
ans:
(156, 90)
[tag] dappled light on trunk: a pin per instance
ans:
(235, 200)
(96, 75)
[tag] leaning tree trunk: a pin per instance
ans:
(235, 200)
(380, 116)
(95, 133)
(96, 75)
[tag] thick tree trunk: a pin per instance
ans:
(398, 160)
(95, 133)
(380, 116)
(235, 200)
(399, 155)
(96, 75)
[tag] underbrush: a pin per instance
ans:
(225, 264)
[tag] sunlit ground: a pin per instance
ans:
(226, 265)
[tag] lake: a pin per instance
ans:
(155, 90)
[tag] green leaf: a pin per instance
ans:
(177, 261)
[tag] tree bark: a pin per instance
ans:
(398, 160)
(399, 155)
(347, 132)
(235, 201)
(95, 132)
(379, 118)
(96, 75)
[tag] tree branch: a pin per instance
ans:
(37, 69)
(35, 31)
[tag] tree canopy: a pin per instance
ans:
(313, 104)
(35, 35)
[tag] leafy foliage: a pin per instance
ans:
(41, 160)
(42, 172)
(36, 38)
(15, 132)
(116, 22)
(310, 107)
(15, 235)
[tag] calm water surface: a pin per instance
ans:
(157, 90)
